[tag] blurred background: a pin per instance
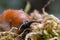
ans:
(52, 8)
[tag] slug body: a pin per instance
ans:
(14, 17)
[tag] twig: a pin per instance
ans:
(47, 3)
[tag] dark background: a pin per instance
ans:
(53, 8)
